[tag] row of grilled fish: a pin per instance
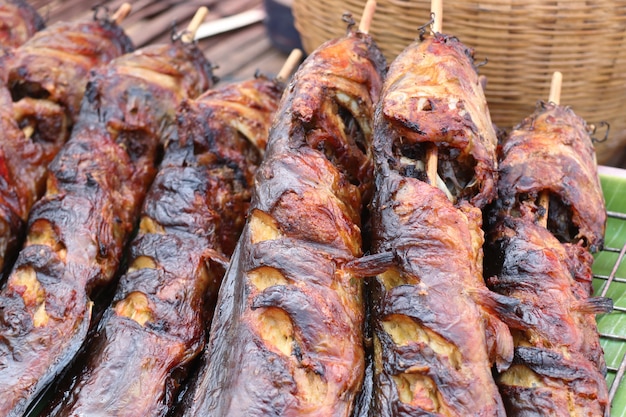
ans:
(298, 330)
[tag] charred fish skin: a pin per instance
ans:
(76, 232)
(18, 22)
(559, 366)
(287, 336)
(55, 63)
(435, 96)
(543, 261)
(552, 151)
(435, 336)
(190, 221)
(46, 79)
(431, 349)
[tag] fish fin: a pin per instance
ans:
(509, 309)
(211, 255)
(370, 265)
(595, 305)
(500, 345)
(499, 340)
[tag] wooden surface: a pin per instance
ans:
(237, 54)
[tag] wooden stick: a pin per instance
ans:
(555, 87)
(544, 196)
(436, 9)
(368, 15)
(292, 62)
(432, 153)
(121, 13)
(196, 21)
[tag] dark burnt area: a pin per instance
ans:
(559, 215)
(493, 262)
(348, 156)
(45, 129)
(22, 89)
(559, 221)
(136, 143)
(457, 172)
(352, 129)
(412, 151)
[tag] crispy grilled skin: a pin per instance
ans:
(551, 150)
(432, 340)
(47, 77)
(55, 63)
(435, 334)
(77, 230)
(287, 336)
(18, 22)
(190, 222)
(435, 97)
(558, 366)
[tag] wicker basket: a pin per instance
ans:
(524, 42)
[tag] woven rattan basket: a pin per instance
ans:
(524, 42)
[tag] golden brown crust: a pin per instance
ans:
(47, 78)
(77, 230)
(287, 336)
(191, 218)
(435, 97)
(55, 63)
(551, 150)
(18, 22)
(431, 337)
(558, 366)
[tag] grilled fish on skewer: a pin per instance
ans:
(47, 77)
(434, 97)
(190, 222)
(435, 338)
(287, 336)
(77, 230)
(435, 335)
(18, 22)
(551, 151)
(543, 261)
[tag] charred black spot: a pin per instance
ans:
(19, 90)
(493, 261)
(411, 171)
(412, 151)
(352, 129)
(91, 182)
(136, 143)
(457, 171)
(347, 152)
(560, 223)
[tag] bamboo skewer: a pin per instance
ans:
(196, 21)
(436, 10)
(555, 87)
(555, 97)
(121, 13)
(368, 15)
(291, 63)
(432, 153)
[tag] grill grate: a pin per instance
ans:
(606, 284)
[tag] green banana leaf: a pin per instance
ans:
(612, 326)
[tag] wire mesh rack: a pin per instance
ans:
(610, 280)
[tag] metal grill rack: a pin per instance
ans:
(616, 277)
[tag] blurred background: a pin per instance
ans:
(522, 42)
